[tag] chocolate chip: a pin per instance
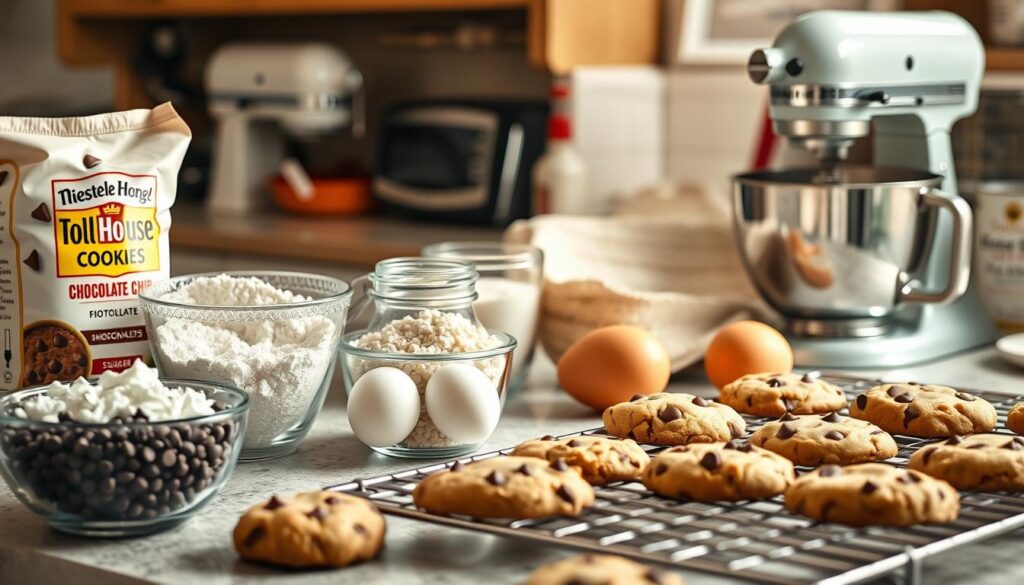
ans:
(661, 469)
(549, 438)
(54, 366)
(273, 503)
(33, 261)
(869, 487)
(903, 398)
(830, 470)
(524, 469)
(810, 377)
(3, 177)
(456, 466)
(862, 401)
(711, 461)
(835, 436)
(786, 431)
(894, 391)
(636, 397)
(91, 161)
(909, 414)
(787, 417)
(360, 529)
(908, 478)
(832, 417)
(317, 513)
(496, 478)
(954, 440)
(655, 576)
(774, 382)
(1019, 440)
(669, 414)
(734, 429)
(560, 465)
(42, 213)
(565, 493)
(878, 432)
(1013, 446)
(332, 500)
(575, 443)
(254, 536)
(788, 404)
(700, 401)
(965, 397)
(926, 454)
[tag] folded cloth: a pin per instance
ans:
(677, 275)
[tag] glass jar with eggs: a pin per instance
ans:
(424, 378)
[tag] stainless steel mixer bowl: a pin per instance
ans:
(850, 244)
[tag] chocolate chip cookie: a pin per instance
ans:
(601, 460)
(1015, 418)
(53, 352)
(812, 439)
(924, 410)
(983, 462)
(673, 419)
(872, 494)
(310, 529)
(718, 471)
(776, 394)
(607, 569)
(506, 487)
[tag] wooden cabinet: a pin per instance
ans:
(560, 34)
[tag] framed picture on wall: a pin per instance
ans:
(726, 31)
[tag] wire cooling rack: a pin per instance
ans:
(754, 540)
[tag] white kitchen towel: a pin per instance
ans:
(675, 274)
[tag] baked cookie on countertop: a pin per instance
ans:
(603, 569)
(776, 394)
(983, 462)
(872, 494)
(673, 419)
(924, 410)
(811, 439)
(310, 529)
(1015, 418)
(711, 472)
(505, 487)
(601, 460)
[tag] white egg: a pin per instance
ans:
(463, 403)
(383, 407)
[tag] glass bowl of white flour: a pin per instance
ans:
(272, 334)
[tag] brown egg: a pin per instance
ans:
(609, 365)
(746, 347)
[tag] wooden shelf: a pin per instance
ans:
(129, 9)
(1004, 59)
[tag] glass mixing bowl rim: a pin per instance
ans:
(490, 257)
(8, 401)
(346, 292)
(509, 343)
(777, 178)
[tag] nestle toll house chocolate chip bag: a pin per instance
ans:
(84, 212)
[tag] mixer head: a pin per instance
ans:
(832, 73)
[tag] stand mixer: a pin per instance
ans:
(869, 265)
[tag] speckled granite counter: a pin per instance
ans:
(200, 551)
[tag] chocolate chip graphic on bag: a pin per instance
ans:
(91, 161)
(42, 213)
(3, 177)
(32, 260)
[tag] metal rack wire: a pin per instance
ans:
(755, 540)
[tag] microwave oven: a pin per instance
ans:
(465, 161)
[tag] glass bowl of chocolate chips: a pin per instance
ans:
(112, 463)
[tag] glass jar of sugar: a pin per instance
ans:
(425, 378)
(509, 291)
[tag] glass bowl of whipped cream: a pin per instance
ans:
(273, 334)
(124, 455)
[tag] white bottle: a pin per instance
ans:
(559, 177)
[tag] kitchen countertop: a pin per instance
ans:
(361, 240)
(200, 551)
